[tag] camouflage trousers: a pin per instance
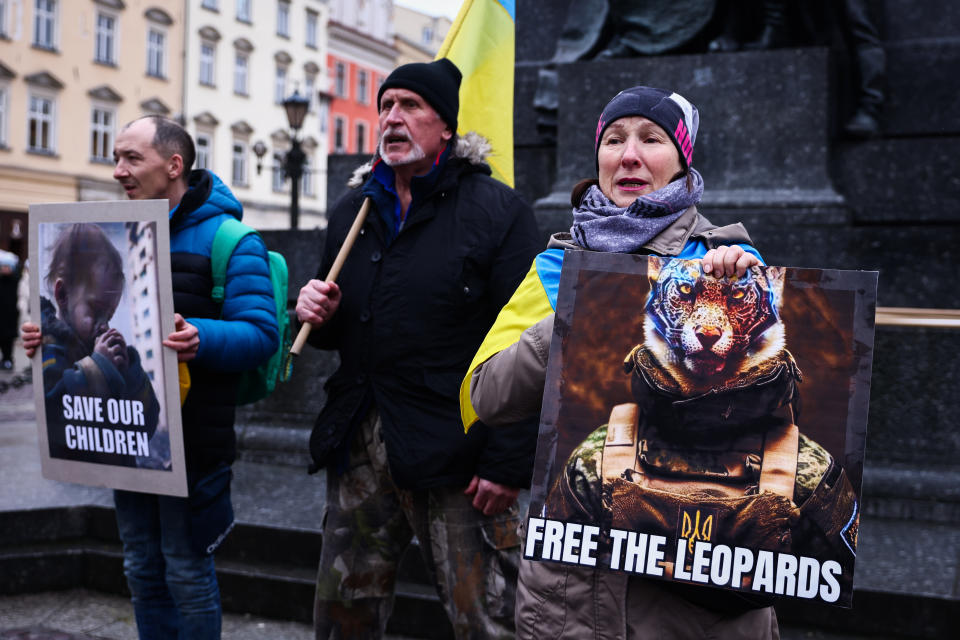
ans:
(472, 559)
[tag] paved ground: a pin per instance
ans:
(80, 614)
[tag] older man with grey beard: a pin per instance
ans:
(442, 250)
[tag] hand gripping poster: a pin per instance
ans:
(107, 391)
(706, 431)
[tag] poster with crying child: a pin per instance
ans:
(107, 391)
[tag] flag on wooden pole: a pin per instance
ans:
(481, 43)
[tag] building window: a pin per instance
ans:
(45, 23)
(362, 92)
(106, 38)
(306, 181)
(156, 53)
(340, 80)
(3, 17)
(324, 115)
(361, 137)
(239, 174)
(210, 4)
(4, 111)
(427, 34)
(309, 82)
(101, 134)
(280, 84)
(312, 21)
(283, 18)
(240, 67)
(339, 133)
(243, 10)
(41, 131)
(204, 146)
(278, 174)
(207, 62)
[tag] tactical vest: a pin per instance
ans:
(736, 491)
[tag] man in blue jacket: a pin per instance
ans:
(168, 542)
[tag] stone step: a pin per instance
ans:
(262, 570)
(269, 571)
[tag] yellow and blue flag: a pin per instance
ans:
(481, 43)
(534, 300)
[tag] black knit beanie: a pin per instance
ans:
(674, 113)
(437, 82)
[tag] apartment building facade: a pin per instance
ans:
(71, 73)
(361, 56)
(418, 35)
(243, 58)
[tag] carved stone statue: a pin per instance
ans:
(600, 29)
(842, 24)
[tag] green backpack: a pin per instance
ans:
(255, 384)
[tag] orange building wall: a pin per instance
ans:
(350, 108)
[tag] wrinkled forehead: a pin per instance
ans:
(396, 94)
(633, 124)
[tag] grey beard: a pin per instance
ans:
(415, 154)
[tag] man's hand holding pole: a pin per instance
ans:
(319, 299)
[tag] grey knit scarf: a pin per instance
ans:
(600, 225)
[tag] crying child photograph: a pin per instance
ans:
(102, 366)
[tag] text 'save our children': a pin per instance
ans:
(116, 413)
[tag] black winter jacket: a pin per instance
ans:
(412, 314)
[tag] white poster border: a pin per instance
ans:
(165, 482)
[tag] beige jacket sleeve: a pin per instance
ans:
(508, 387)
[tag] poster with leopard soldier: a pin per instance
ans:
(706, 431)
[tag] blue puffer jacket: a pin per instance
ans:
(240, 336)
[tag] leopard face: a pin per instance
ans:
(710, 329)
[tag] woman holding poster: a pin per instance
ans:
(636, 471)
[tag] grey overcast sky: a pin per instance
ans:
(446, 8)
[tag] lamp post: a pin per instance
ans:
(259, 149)
(296, 108)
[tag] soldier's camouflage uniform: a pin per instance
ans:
(367, 530)
(708, 453)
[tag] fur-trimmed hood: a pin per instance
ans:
(471, 147)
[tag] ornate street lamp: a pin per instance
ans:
(296, 107)
(259, 149)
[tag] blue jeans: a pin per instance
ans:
(174, 588)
